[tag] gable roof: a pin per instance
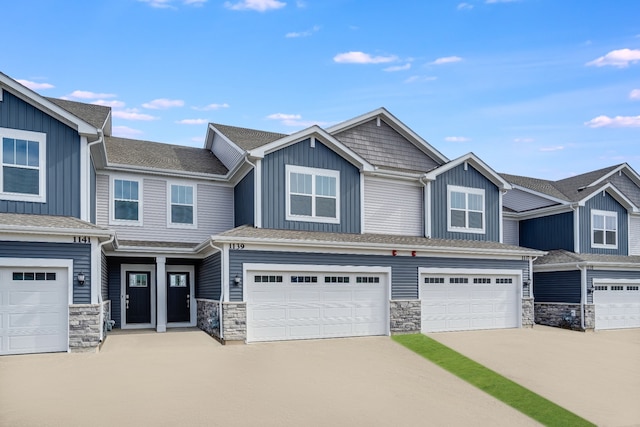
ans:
(478, 164)
(247, 139)
(562, 256)
(95, 115)
(539, 186)
(148, 155)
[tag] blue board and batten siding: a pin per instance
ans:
(63, 159)
(320, 156)
(603, 202)
(80, 254)
(439, 201)
(208, 278)
(243, 201)
(548, 232)
(404, 270)
(557, 286)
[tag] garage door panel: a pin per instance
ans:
(617, 305)
(269, 314)
(304, 313)
(29, 320)
(268, 294)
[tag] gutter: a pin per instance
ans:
(426, 184)
(221, 288)
(583, 292)
(100, 245)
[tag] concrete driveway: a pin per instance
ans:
(187, 378)
(594, 374)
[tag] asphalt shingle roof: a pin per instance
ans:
(95, 115)
(156, 155)
(46, 221)
(562, 256)
(248, 139)
(150, 244)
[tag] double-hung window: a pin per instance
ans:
(22, 163)
(126, 201)
(182, 212)
(604, 229)
(313, 194)
(466, 209)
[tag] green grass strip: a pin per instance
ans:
(514, 395)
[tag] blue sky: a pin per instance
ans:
(544, 88)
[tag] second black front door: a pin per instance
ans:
(178, 297)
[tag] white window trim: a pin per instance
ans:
(194, 187)
(315, 172)
(467, 191)
(41, 138)
(112, 209)
(605, 214)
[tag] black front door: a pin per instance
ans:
(138, 297)
(178, 297)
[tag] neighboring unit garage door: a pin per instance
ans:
(34, 310)
(617, 305)
(307, 305)
(461, 302)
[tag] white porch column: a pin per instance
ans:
(161, 283)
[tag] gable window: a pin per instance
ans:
(313, 194)
(181, 205)
(466, 211)
(604, 229)
(22, 160)
(126, 201)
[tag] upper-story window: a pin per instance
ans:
(313, 194)
(23, 163)
(466, 210)
(604, 229)
(182, 207)
(126, 201)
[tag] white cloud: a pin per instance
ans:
(85, 94)
(35, 85)
(635, 94)
(112, 104)
(464, 6)
(192, 121)
(457, 139)
(196, 3)
(211, 107)
(126, 132)
(258, 5)
(163, 104)
(398, 67)
(523, 140)
(362, 58)
(293, 120)
(554, 148)
(416, 79)
(133, 114)
(306, 33)
(620, 58)
(614, 122)
(447, 60)
(499, 1)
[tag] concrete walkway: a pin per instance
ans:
(594, 374)
(185, 378)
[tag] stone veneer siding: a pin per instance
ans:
(207, 317)
(527, 313)
(106, 316)
(405, 316)
(84, 327)
(559, 315)
(234, 321)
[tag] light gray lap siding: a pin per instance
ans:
(439, 204)
(301, 154)
(62, 159)
(603, 203)
(404, 269)
(80, 254)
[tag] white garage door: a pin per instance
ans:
(617, 305)
(307, 305)
(460, 302)
(34, 310)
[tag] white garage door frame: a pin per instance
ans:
(322, 269)
(618, 301)
(422, 271)
(66, 264)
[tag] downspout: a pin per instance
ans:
(583, 292)
(221, 289)
(531, 261)
(256, 208)
(102, 332)
(576, 227)
(426, 214)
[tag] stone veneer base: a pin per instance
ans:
(559, 315)
(405, 316)
(84, 327)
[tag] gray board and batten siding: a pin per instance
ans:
(62, 159)
(320, 156)
(208, 278)
(439, 204)
(404, 274)
(79, 253)
(244, 201)
(603, 202)
(548, 232)
(557, 286)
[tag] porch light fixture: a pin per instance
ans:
(237, 280)
(81, 279)
(590, 290)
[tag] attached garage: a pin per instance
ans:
(469, 299)
(617, 304)
(34, 310)
(293, 302)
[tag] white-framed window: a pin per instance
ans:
(126, 201)
(312, 194)
(182, 205)
(23, 171)
(465, 209)
(604, 229)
